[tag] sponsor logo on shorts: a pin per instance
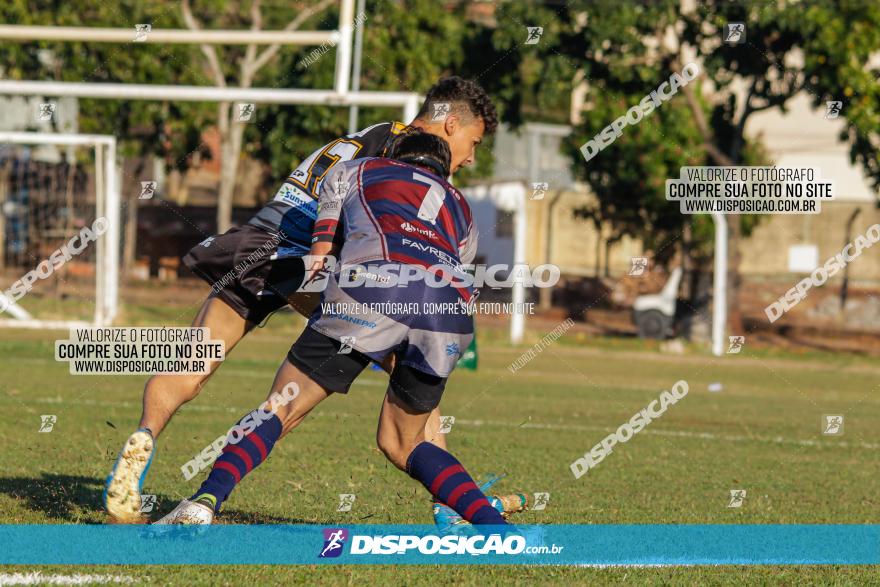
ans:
(348, 318)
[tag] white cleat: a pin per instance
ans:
(189, 513)
(122, 491)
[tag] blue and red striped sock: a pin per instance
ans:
(240, 459)
(450, 483)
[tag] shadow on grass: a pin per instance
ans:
(73, 498)
(60, 497)
(241, 517)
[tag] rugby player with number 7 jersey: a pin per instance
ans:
(364, 210)
(257, 268)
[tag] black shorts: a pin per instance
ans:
(238, 266)
(319, 357)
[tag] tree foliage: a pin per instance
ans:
(166, 129)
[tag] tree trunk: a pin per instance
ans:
(129, 247)
(231, 130)
(608, 243)
(231, 136)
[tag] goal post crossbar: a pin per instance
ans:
(407, 100)
(15, 32)
(341, 38)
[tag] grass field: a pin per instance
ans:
(761, 433)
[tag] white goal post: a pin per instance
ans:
(107, 205)
(510, 197)
(108, 198)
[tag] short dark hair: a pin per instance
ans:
(422, 148)
(464, 97)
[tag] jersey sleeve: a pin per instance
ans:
(330, 200)
(467, 247)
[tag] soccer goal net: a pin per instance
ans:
(59, 229)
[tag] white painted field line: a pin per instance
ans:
(528, 425)
(189, 407)
(677, 433)
(270, 375)
(38, 578)
(626, 565)
(659, 357)
(123, 404)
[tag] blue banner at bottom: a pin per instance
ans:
(419, 544)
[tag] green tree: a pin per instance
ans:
(166, 129)
(241, 67)
(408, 46)
(624, 50)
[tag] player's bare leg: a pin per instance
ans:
(401, 437)
(432, 430)
(432, 426)
(310, 395)
(445, 516)
(292, 397)
(305, 303)
(163, 396)
(400, 430)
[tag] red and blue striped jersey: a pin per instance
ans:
(382, 209)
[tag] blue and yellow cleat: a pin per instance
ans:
(122, 491)
(447, 518)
